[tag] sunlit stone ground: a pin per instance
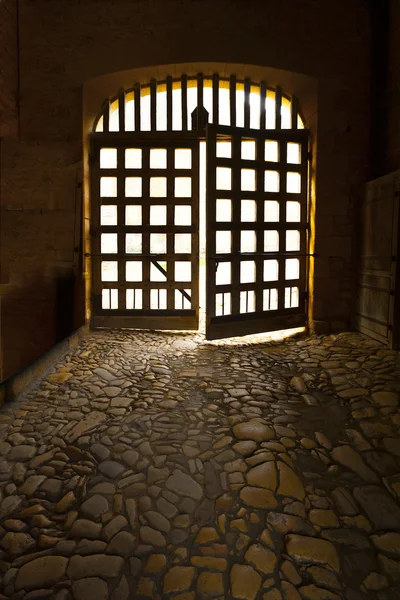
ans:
(161, 466)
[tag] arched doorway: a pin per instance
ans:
(219, 157)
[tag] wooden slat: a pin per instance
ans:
(106, 116)
(278, 108)
(263, 92)
(294, 112)
(260, 226)
(170, 228)
(169, 103)
(121, 110)
(136, 91)
(153, 105)
(236, 220)
(215, 88)
(232, 99)
(184, 103)
(247, 85)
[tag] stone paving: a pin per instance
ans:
(160, 466)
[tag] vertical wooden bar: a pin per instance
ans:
(121, 223)
(200, 83)
(210, 227)
(145, 225)
(136, 91)
(263, 92)
(278, 108)
(232, 99)
(153, 104)
(200, 101)
(184, 103)
(260, 224)
(236, 221)
(96, 284)
(170, 228)
(195, 201)
(169, 103)
(282, 168)
(247, 84)
(106, 116)
(304, 220)
(294, 111)
(215, 88)
(121, 110)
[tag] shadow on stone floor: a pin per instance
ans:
(161, 466)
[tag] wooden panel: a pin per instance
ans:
(262, 290)
(378, 265)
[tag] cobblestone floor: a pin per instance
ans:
(161, 466)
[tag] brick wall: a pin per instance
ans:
(64, 44)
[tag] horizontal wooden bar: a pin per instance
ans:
(162, 322)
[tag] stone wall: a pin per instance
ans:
(8, 67)
(8, 117)
(65, 44)
(393, 91)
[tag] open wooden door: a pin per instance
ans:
(256, 249)
(378, 282)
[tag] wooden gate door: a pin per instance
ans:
(256, 230)
(378, 284)
(144, 193)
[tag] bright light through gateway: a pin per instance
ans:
(224, 116)
(259, 338)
